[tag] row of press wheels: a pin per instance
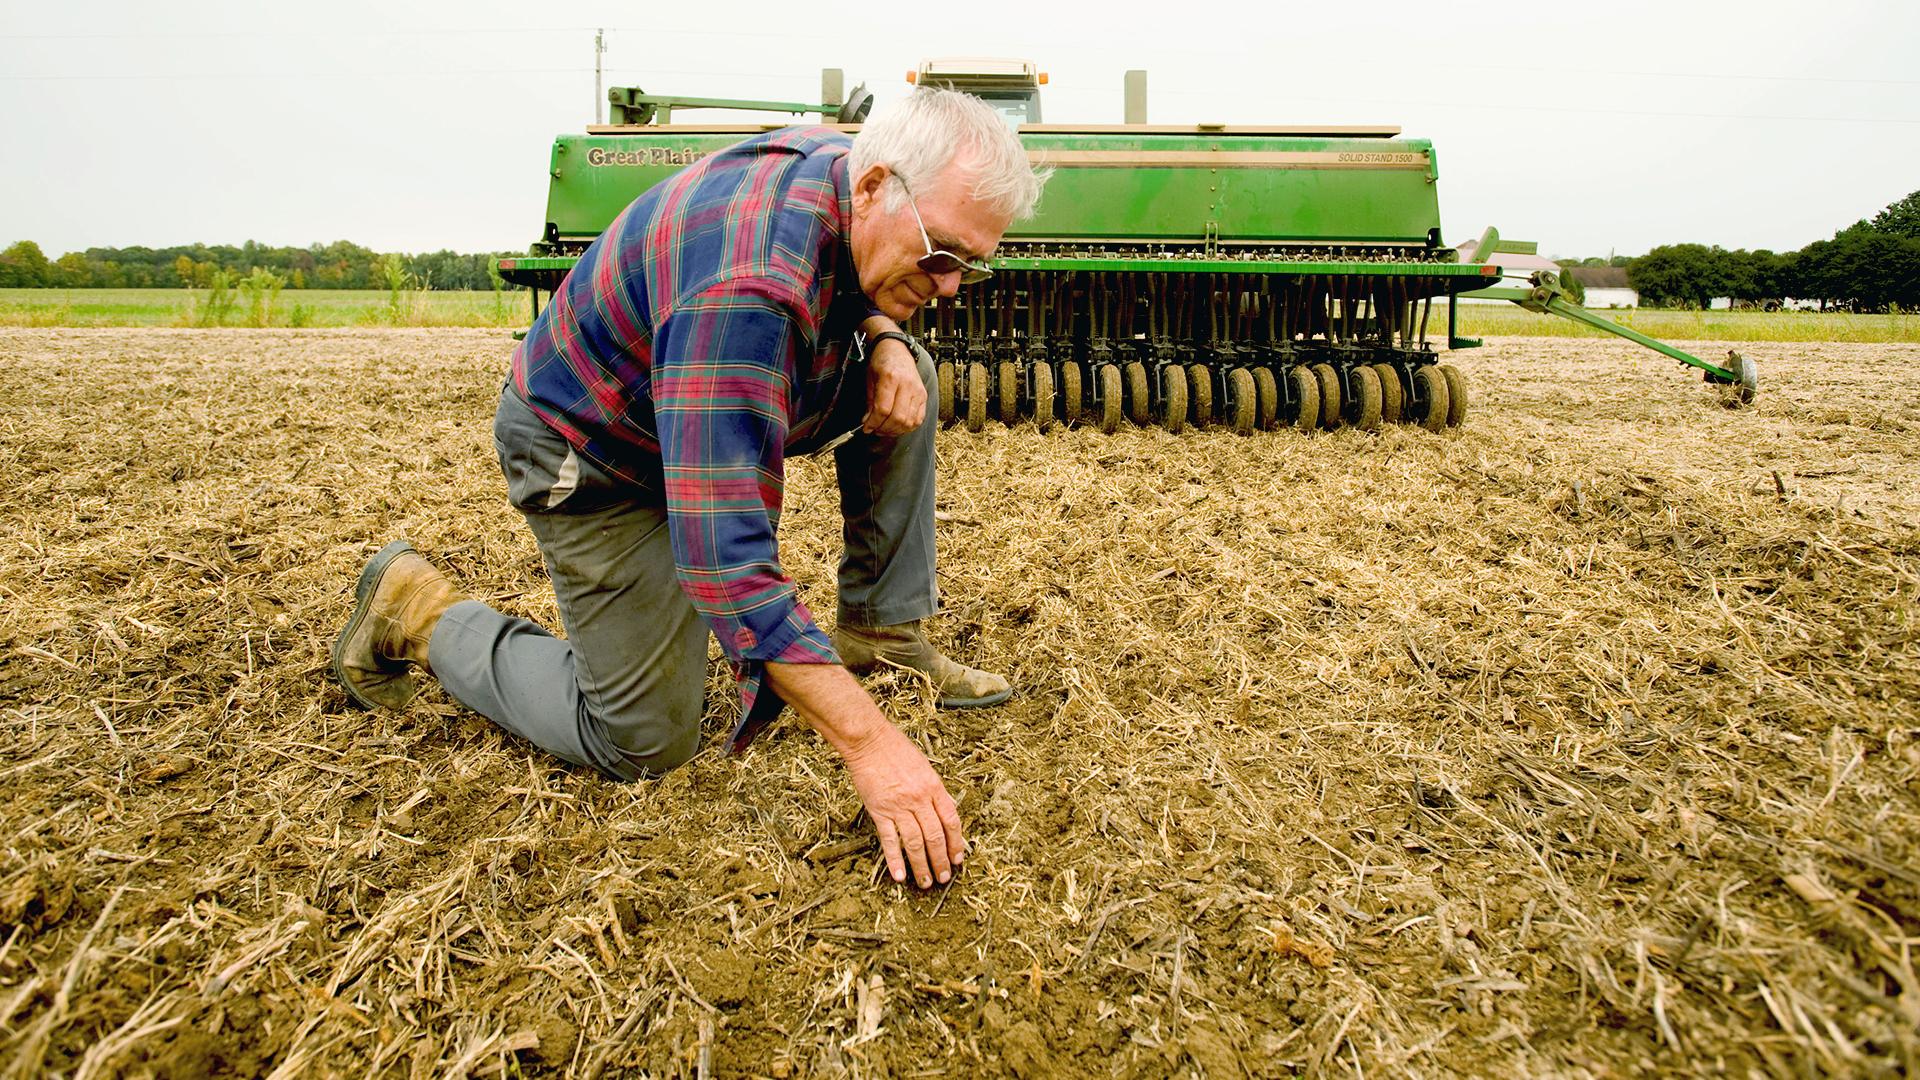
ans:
(1181, 396)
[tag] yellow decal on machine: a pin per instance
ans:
(645, 155)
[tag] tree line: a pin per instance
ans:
(339, 265)
(1871, 265)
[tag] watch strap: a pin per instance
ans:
(896, 335)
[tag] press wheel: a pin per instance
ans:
(1070, 392)
(1266, 397)
(1331, 413)
(1009, 396)
(1042, 396)
(976, 396)
(1363, 406)
(1392, 396)
(1430, 407)
(1109, 398)
(1240, 401)
(1139, 409)
(1306, 392)
(1173, 398)
(1200, 394)
(1748, 383)
(1456, 395)
(945, 391)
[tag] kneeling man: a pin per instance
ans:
(743, 311)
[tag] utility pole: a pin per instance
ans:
(599, 92)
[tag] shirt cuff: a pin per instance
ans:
(760, 704)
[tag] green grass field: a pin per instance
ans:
(1508, 320)
(373, 307)
(307, 307)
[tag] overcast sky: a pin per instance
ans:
(415, 126)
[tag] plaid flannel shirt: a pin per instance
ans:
(698, 341)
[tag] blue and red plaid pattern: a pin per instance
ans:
(701, 338)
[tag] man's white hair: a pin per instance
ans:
(919, 137)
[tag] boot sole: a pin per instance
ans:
(362, 601)
(939, 703)
(974, 702)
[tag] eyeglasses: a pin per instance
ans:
(938, 261)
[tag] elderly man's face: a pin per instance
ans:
(888, 245)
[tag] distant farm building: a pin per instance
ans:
(1606, 286)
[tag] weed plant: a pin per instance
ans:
(403, 293)
(499, 293)
(218, 306)
(262, 287)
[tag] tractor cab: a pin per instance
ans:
(1012, 87)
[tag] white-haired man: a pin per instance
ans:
(745, 310)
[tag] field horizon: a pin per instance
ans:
(510, 308)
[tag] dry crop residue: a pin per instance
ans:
(1582, 739)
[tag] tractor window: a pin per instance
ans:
(1015, 109)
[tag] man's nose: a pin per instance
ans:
(946, 284)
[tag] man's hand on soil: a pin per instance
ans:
(911, 810)
(896, 398)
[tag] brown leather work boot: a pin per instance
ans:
(865, 648)
(396, 605)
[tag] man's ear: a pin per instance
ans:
(866, 187)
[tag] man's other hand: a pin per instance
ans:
(896, 398)
(918, 824)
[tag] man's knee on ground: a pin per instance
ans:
(652, 743)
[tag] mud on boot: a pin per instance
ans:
(868, 648)
(398, 601)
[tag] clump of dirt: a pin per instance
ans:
(37, 897)
(1024, 1051)
(722, 977)
(1582, 739)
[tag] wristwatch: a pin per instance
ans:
(875, 339)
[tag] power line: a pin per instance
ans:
(373, 76)
(301, 33)
(1498, 107)
(305, 32)
(770, 75)
(1727, 75)
(387, 74)
(1665, 115)
(215, 76)
(654, 31)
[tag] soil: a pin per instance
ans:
(1582, 740)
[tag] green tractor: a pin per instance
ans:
(1182, 275)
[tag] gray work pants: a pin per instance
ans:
(623, 693)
